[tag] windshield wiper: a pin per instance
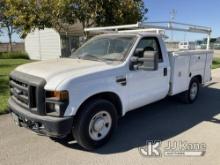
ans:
(110, 59)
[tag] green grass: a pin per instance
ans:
(6, 66)
(216, 63)
(13, 55)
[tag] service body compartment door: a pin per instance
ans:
(208, 67)
(186, 65)
(180, 74)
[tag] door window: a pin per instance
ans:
(151, 44)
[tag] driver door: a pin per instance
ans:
(145, 87)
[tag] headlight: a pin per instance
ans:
(56, 102)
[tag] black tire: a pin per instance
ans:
(186, 97)
(82, 124)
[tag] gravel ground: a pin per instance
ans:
(217, 53)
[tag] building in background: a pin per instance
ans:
(50, 44)
(172, 45)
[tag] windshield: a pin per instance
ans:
(113, 48)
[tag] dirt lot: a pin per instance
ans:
(217, 53)
(167, 120)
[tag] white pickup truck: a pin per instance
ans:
(108, 76)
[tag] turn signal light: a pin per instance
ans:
(59, 95)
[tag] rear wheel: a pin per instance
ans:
(191, 94)
(95, 124)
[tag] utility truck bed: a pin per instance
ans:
(187, 64)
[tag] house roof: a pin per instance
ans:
(75, 29)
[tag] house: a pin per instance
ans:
(50, 44)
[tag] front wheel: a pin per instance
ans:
(95, 124)
(191, 94)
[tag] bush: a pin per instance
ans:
(13, 55)
(216, 63)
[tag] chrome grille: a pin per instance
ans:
(28, 91)
(20, 92)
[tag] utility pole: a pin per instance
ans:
(172, 18)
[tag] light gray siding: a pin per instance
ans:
(43, 44)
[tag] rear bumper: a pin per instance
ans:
(46, 125)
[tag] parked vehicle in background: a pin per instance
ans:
(187, 45)
(107, 77)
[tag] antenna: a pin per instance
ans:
(173, 13)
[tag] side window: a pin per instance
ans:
(151, 44)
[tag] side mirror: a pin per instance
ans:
(139, 52)
(148, 62)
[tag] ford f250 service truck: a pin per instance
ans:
(110, 75)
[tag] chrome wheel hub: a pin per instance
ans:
(193, 91)
(100, 125)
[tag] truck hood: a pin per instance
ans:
(59, 69)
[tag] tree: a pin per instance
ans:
(31, 14)
(108, 12)
(6, 22)
(83, 10)
(115, 12)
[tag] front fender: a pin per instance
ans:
(81, 90)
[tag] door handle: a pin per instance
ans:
(165, 71)
(121, 80)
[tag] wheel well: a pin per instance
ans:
(198, 77)
(110, 96)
